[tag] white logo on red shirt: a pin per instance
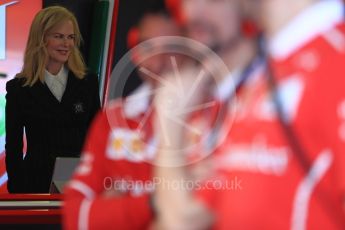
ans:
(256, 157)
(290, 95)
(308, 60)
(128, 144)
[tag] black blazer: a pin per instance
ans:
(52, 129)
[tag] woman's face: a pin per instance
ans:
(59, 43)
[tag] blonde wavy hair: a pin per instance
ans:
(36, 54)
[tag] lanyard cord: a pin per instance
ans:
(223, 111)
(288, 130)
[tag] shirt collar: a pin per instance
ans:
(139, 101)
(227, 85)
(315, 20)
(61, 76)
(235, 79)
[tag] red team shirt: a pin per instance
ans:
(118, 154)
(105, 162)
(274, 192)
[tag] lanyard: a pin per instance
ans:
(245, 75)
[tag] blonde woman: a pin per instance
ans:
(53, 99)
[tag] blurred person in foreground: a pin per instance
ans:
(285, 151)
(105, 192)
(119, 154)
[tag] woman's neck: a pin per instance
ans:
(54, 68)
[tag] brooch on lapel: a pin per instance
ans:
(78, 107)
